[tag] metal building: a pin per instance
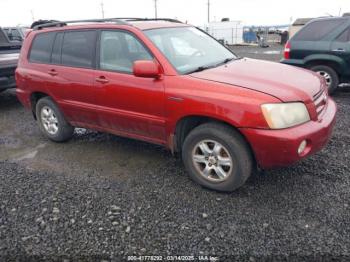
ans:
(230, 32)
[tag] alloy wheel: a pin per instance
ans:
(49, 120)
(326, 76)
(212, 160)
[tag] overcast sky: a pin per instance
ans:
(251, 12)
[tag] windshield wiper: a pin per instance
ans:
(200, 69)
(225, 61)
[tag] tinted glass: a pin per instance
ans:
(56, 50)
(317, 30)
(14, 34)
(41, 48)
(119, 50)
(3, 38)
(345, 36)
(78, 49)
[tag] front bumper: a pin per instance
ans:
(276, 148)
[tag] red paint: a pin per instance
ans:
(279, 147)
(148, 69)
(149, 108)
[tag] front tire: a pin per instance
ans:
(217, 157)
(52, 122)
(331, 77)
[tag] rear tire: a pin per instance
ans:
(331, 77)
(52, 122)
(217, 157)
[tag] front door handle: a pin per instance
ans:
(53, 72)
(102, 80)
(340, 50)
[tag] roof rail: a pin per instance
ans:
(135, 19)
(64, 23)
(122, 21)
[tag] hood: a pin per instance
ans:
(284, 82)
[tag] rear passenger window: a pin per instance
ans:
(78, 49)
(41, 48)
(345, 36)
(317, 30)
(56, 50)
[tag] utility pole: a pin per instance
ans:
(208, 11)
(102, 10)
(155, 9)
(32, 13)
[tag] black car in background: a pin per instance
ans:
(15, 33)
(9, 53)
(322, 45)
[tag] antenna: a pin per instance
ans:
(155, 9)
(208, 11)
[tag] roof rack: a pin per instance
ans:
(64, 23)
(121, 21)
(136, 19)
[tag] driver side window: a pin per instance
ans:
(119, 50)
(345, 36)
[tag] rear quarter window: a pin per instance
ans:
(41, 48)
(317, 30)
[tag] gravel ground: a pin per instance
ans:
(104, 197)
(272, 53)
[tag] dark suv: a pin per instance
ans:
(323, 45)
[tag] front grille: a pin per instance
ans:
(320, 101)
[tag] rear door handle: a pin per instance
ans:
(53, 72)
(102, 80)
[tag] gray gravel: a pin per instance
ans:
(272, 53)
(103, 197)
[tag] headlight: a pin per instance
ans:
(285, 115)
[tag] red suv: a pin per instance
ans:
(172, 84)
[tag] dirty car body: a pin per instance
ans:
(174, 88)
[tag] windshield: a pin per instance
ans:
(189, 49)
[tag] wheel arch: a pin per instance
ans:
(34, 98)
(336, 63)
(187, 123)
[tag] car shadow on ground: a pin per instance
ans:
(8, 100)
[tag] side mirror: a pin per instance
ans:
(146, 68)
